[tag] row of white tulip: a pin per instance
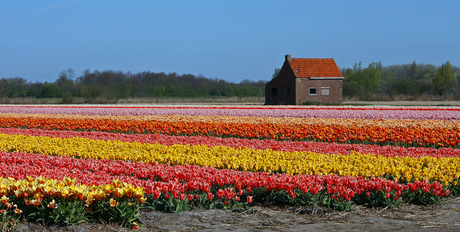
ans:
(437, 113)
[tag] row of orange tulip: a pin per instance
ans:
(441, 134)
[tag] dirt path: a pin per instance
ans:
(404, 218)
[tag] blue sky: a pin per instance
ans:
(230, 40)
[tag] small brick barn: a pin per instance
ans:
(303, 80)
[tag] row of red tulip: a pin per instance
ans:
(289, 146)
(159, 179)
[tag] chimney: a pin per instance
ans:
(288, 57)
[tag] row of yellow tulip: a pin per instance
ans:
(35, 189)
(446, 170)
(391, 123)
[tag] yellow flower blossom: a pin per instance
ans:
(402, 168)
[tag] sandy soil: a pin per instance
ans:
(407, 217)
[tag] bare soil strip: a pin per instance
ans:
(407, 217)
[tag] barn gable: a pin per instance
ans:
(305, 80)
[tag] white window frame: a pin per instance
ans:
(328, 91)
(312, 94)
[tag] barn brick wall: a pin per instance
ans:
(285, 79)
(303, 94)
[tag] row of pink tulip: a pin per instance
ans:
(289, 146)
(439, 113)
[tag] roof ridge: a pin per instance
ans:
(314, 67)
(314, 58)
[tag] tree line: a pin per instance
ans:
(408, 81)
(374, 82)
(114, 85)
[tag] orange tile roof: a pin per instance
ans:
(313, 67)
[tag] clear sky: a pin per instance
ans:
(230, 40)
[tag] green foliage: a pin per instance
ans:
(410, 81)
(67, 98)
(8, 219)
(103, 86)
(176, 205)
(413, 71)
(71, 211)
(379, 199)
(13, 87)
(444, 80)
(59, 211)
(50, 90)
(362, 82)
(8, 222)
(420, 197)
(124, 211)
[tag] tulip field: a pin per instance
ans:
(65, 164)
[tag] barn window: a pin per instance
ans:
(325, 91)
(312, 90)
(286, 91)
(274, 91)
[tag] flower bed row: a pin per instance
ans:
(174, 184)
(287, 146)
(189, 146)
(436, 134)
(446, 170)
(344, 122)
(54, 200)
(439, 113)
